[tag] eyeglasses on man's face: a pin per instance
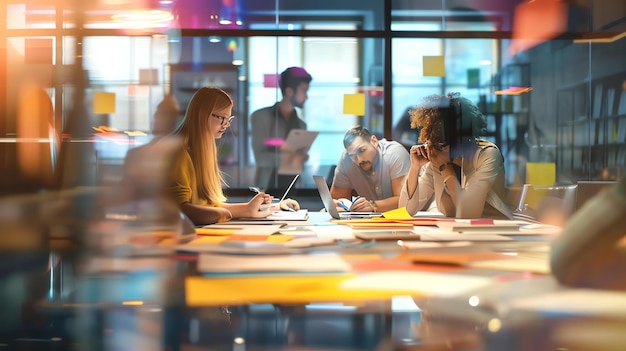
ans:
(223, 119)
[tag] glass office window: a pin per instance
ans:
(334, 65)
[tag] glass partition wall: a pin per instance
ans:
(99, 69)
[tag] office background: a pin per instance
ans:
(549, 76)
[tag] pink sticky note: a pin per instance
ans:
(274, 142)
(270, 80)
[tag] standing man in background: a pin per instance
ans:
(272, 124)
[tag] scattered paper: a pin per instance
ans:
(442, 285)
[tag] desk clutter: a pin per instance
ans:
(351, 263)
(322, 258)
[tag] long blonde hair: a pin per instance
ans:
(199, 141)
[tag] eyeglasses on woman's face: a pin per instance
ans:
(223, 119)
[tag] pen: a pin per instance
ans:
(343, 206)
(353, 201)
(289, 188)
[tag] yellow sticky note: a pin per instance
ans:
(216, 231)
(103, 102)
(540, 173)
(434, 66)
(398, 213)
(354, 104)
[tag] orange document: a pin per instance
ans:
(215, 291)
(375, 223)
(380, 225)
(457, 258)
(216, 231)
(423, 220)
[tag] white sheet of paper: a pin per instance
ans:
(259, 230)
(272, 263)
(300, 215)
(575, 302)
(536, 262)
(434, 284)
(435, 234)
(333, 231)
(436, 214)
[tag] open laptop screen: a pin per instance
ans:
(329, 204)
(587, 189)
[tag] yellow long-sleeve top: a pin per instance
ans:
(183, 185)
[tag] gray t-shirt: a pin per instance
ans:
(393, 161)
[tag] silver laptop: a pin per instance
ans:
(589, 188)
(329, 204)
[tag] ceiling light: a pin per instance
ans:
(513, 91)
(143, 18)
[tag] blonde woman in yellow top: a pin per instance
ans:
(196, 180)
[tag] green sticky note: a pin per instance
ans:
(354, 104)
(103, 102)
(473, 78)
(434, 66)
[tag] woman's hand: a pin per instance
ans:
(438, 157)
(419, 155)
(287, 204)
(223, 214)
(253, 206)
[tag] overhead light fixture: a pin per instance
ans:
(214, 39)
(143, 18)
(605, 39)
(513, 91)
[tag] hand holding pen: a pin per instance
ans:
(356, 204)
(267, 198)
(360, 204)
(284, 204)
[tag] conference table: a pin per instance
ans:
(343, 294)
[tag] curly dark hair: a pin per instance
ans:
(427, 116)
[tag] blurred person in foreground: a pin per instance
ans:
(196, 180)
(140, 161)
(273, 123)
(591, 251)
(462, 173)
(373, 169)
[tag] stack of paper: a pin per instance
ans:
(300, 215)
(479, 225)
(239, 264)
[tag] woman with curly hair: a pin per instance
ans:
(452, 165)
(196, 180)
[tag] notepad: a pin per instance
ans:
(299, 215)
(478, 225)
(237, 264)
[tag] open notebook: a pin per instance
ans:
(329, 205)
